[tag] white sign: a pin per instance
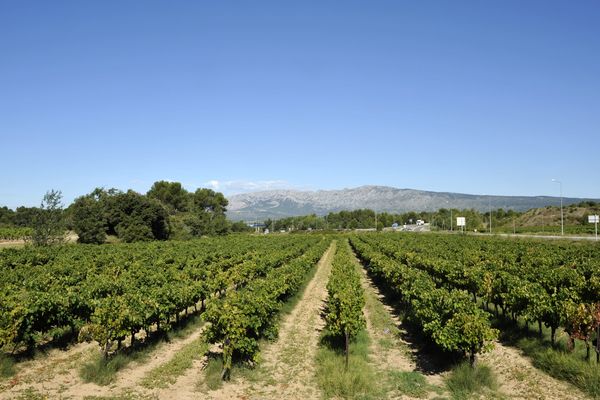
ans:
(593, 219)
(460, 221)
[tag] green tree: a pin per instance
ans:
(208, 214)
(24, 216)
(171, 194)
(48, 222)
(89, 220)
(7, 216)
(240, 226)
(132, 216)
(134, 229)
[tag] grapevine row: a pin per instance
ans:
(553, 285)
(110, 292)
(449, 317)
(239, 319)
(345, 301)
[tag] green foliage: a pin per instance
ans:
(344, 311)
(357, 381)
(7, 216)
(15, 233)
(447, 316)
(243, 316)
(171, 194)
(48, 222)
(410, 383)
(25, 216)
(110, 321)
(110, 293)
(208, 213)
(89, 221)
(102, 371)
(561, 363)
(132, 229)
(132, 216)
(240, 226)
(7, 366)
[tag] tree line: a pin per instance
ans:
(166, 211)
(366, 219)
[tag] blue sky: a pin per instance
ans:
(472, 97)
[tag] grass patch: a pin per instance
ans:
(382, 322)
(30, 394)
(103, 371)
(410, 383)
(7, 366)
(166, 374)
(561, 364)
(212, 373)
(358, 382)
(464, 381)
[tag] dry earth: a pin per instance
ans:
(57, 374)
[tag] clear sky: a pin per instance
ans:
(474, 97)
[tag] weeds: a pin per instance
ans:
(410, 383)
(102, 371)
(7, 366)
(212, 373)
(358, 381)
(167, 373)
(465, 381)
(557, 361)
(561, 364)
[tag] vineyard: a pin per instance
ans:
(459, 293)
(554, 285)
(15, 233)
(108, 294)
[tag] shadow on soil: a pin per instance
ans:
(429, 359)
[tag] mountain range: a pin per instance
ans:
(277, 204)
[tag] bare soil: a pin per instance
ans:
(57, 374)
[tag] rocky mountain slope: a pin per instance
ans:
(285, 203)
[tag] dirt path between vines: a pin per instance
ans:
(287, 370)
(57, 376)
(387, 357)
(52, 367)
(388, 351)
(519, 379)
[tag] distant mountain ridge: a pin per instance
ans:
(285, 203)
